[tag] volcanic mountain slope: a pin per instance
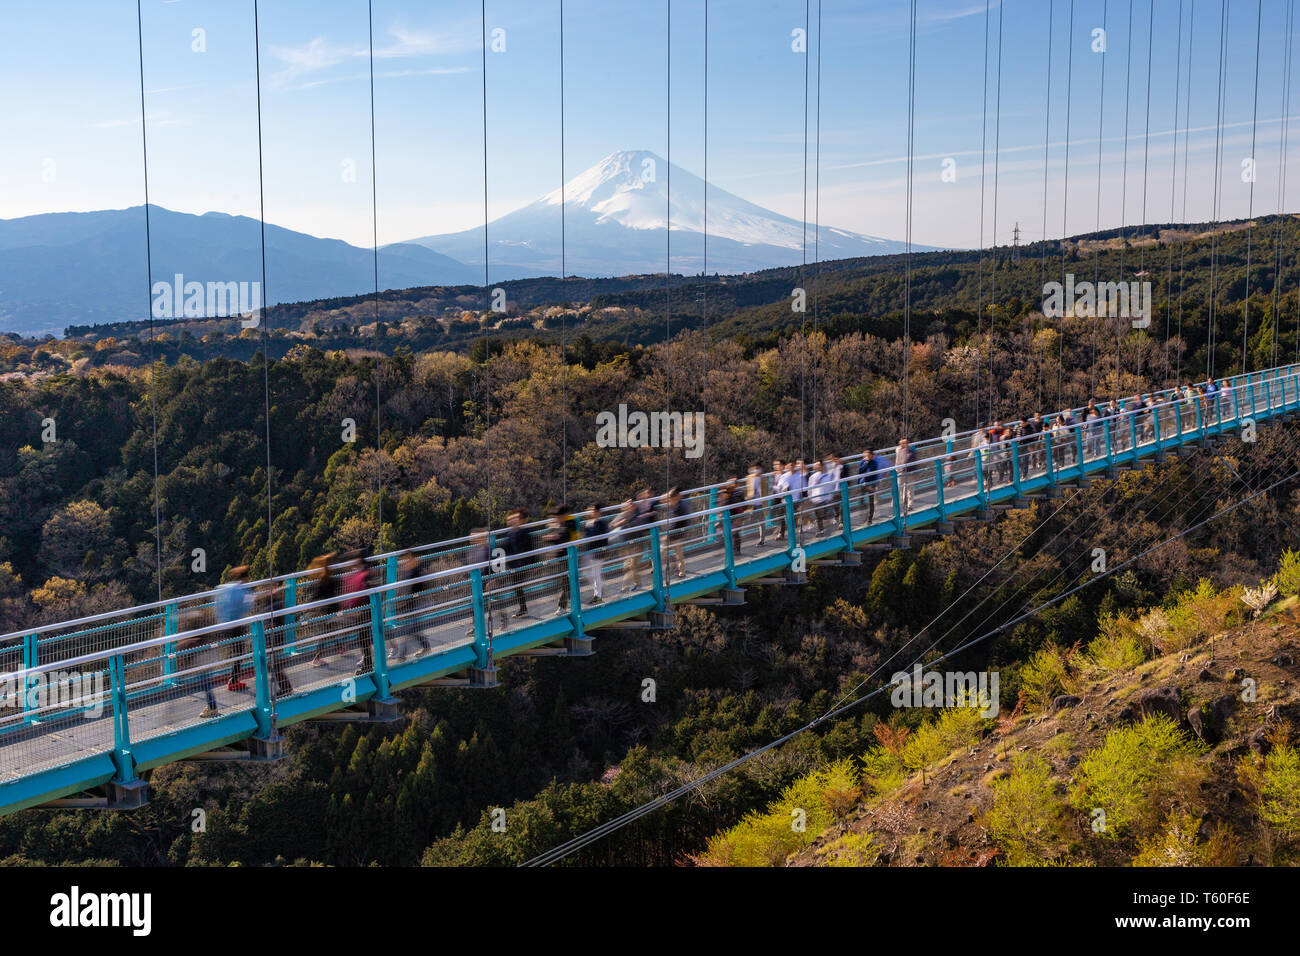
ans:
(614, 216)
(1023, 794)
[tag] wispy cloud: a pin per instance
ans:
(320, 54)
(161, 119)
(945, 16)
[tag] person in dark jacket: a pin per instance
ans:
(562, 529)
(518, 543)
(595, 535)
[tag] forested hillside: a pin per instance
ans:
(450, 433)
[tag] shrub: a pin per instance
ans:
(1287, 578)
(1115, 649)
(1026, 818)
(768, 837)
(1043, 679)
(1176, 844)
(953, 727)
(853, 849)
(1135, 773)
(1279, 789)
(1198, 613)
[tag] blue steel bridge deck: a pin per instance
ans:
(146, 694)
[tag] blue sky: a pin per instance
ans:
(70, 134)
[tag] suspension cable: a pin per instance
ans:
(265, 305)
(1096, 254)
(997, 155)
(374, 198)
(907, 294)
(1250, 208)
(1047, 141)
(1283, 136)
(148, 253)
(1173, 191)
(1065, 203)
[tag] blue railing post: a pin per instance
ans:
(390, 577)
(980, 492)
(30, 659)
(379, 647)
(169, 649)
(657, 569)
(482, 652)
(1015, 464)
(123, 761)
(1250, 394)
(728, 549)
(574, 585)
(291, 620)
(846, 513)
(791, 531)
(938, 486)
(898, 502)
(1048, 468)
(261, 681)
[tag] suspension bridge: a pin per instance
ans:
(93, 705)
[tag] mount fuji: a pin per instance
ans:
(614, 225)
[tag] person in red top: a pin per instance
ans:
(356, 577)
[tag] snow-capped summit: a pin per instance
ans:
(614, 215)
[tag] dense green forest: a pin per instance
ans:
(453, 430)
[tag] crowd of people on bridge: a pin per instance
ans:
(759, 508)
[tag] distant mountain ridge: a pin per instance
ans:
(614, 214)
(61, 269)
(88, 268)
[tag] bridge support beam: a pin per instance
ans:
(128, 795)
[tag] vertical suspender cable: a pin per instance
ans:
(564, 281)
(1250, 208)
(374, 226)
(817, 220)
(1123, 192)
(1065, 204)
(1215, 193)
(265, 321)
(979, 295)
(1047, 141)
(148, 254)
(1283, 136)
(1146, 166)
(486, 376)
(1187, 136)
(1096, 255)
(907, 302)
(803, 265)
(1173, 190)
(704, 268)
(997, 156)
(668, 238)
